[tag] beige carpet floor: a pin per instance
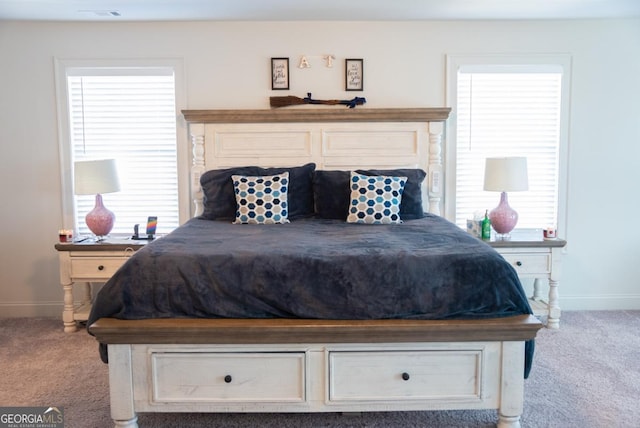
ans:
(586, 375)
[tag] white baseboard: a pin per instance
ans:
(609, 302)
(31, 309)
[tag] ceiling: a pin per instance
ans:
(312, 10)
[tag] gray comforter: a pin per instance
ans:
(313, 268)
(426, 269)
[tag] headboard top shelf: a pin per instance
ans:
(318, 115)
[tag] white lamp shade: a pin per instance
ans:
(507, 174)
(95, 177)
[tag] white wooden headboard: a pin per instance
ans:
(332, 138)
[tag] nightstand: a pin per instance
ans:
(532, 256)
(86, 262)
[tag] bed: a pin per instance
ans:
(316, 312)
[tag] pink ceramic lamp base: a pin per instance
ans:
(503, 217)
(100, 220)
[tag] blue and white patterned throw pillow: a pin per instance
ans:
(261, 199)
(375, 199)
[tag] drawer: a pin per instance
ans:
(95, 268)
(228, 377)
(402, 375)
(528, 263)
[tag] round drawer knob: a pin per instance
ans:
(228, 378)
(405, 376)
(518, 263)
(101, 267)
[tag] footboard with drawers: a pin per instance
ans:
(243, 365)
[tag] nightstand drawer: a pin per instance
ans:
(95, 268)
(228, 377)
(405, 375)
(529, 264)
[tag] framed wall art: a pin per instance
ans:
(354, 71)
(280, 73)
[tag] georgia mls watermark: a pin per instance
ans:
(31, 417)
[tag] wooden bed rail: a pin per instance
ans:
(264, 331)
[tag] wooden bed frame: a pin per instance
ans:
(285, 365)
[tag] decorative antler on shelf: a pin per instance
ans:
(294, 101)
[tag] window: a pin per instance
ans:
(507, 110)
(129, 114)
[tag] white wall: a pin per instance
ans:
(227, 66)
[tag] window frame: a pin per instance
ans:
(453, 63)
(61, 67)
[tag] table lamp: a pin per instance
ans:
(505, 174)
(97, 177)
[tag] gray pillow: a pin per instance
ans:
(220, 200)
(411, 205)
(332, 193)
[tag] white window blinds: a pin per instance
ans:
(128, 115)
(508, 112)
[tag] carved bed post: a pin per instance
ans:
(196, 131)
(435, 177)
(511, 385)
(121, 386)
